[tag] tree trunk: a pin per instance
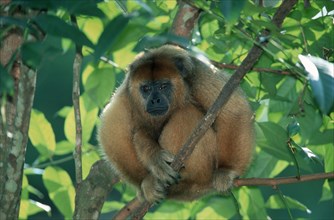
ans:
(14, 124)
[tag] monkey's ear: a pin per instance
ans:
(136, 61)
(184, 65)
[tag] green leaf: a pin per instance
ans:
(327, 194)
(109, 35)
(217, 208)
(6, 82)
(41, 134)
(63, 112)
(88, 119)
(293, 128)
(57, 27)
(275, 202)
(321, 76)
(90, 8)
(33, 53)
(231, 9)
(88, 159)
(99, 85)
(64, 147)
(329, 159)
(151, 42)
(252, 203)
(60, 189)
(170, 210)
(272, 138)
(266, 165)
(110, 206)
(306, 153)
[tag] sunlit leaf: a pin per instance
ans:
(252, 203)
(322, 13)
(265, 165)
(35, 207)
(169, 210)
(88, 159)
(41, 134)
(110, 206)
(60, 189)
(63, 112)
(213, 208)
(64, 147)
(307, 153)
(275, 202)
(321, 76)
(88, 119)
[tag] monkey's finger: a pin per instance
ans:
(167, 156)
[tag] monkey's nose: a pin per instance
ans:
(155, 101)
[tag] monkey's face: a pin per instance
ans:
(157, 95)
(156, 88)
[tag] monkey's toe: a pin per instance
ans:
(153, 190)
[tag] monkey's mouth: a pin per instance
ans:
(157, 111)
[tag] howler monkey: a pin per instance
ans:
(163, 97)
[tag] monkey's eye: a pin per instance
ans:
(145, 88)
(163, 86)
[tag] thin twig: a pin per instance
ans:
(76, 104)
(282, 180)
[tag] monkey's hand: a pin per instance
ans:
(160, 168)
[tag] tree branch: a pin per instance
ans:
(184, 20)
(93, 191)
(76, 104)
(258, 69)
(14, 121)
(282, 180)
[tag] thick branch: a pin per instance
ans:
(14, 121)
(93, 191)
(16, 144)
(184, 20)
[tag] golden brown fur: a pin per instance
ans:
(141, 147)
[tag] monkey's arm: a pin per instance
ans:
(154, 158)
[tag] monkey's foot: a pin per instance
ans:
(152, 190)
(223, 180)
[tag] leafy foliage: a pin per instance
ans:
(293, 112)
